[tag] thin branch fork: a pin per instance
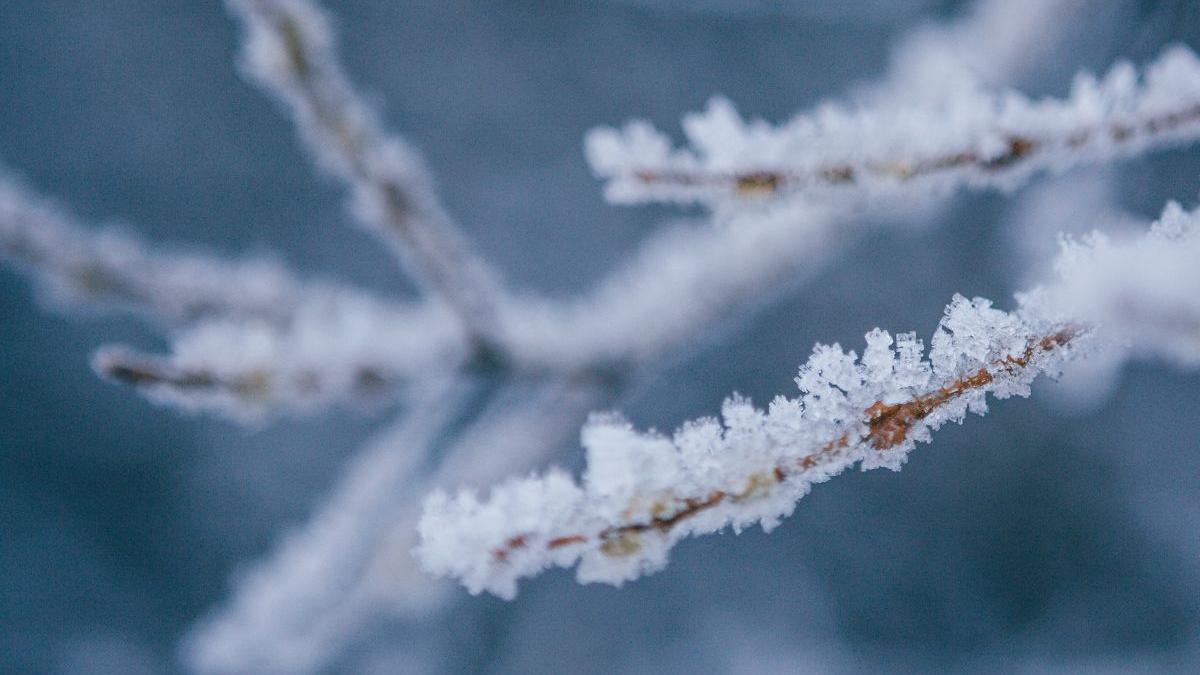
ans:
(393, 192)
(887, 426)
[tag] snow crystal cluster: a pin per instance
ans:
(973, 137)
(991, 43)
(1142, 292)
(642, 492)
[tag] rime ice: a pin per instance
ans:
(908, 149)
(642, 492)
(1143, 292)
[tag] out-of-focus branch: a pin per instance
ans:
(1144, 290)
(289, 51)
(249, 339)
(993, 43)
(679, 283)
(353, 561)
(341, 353)
(140, 370)
(974, 138)
(93, 269)
(314, 569)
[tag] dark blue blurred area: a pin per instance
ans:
(1026, 539)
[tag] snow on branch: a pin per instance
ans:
(1144, 291)
(681, 281)
(352, 562)
(89, 268)
(974, 138)
(289, 52)
(993, 42)
(314, 571)
(643, 492)
(343, 352)
(249, 339)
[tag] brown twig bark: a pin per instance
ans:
(887, 427)
(1020, 149)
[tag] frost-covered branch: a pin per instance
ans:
(352, 561)
(249, 339)
(289, 52)
(315, 568)
(643, 492)
(1143, 290)
(680, 282)
(89, 268)
(974, 138)
(343, 352)
(992, 43)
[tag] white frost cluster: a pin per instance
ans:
(1142, 291)
(973, 137)
(642, 492)
(331, 351)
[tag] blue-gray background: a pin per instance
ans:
(1027, 537)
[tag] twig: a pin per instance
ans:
(752, 470)
(869, 152)
(888, 426)
(1020, 151)
(289, 52)
(105, 268)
